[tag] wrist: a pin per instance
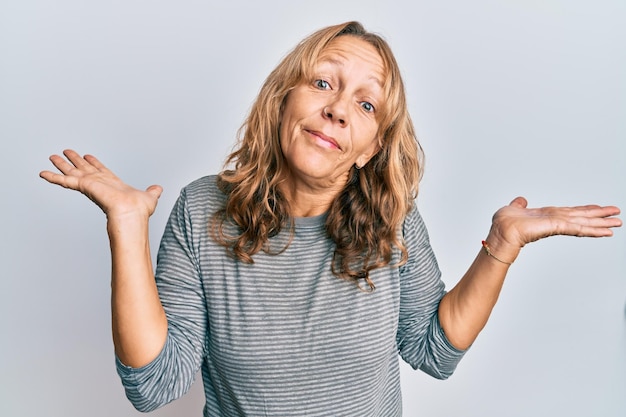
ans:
(488, 251)
(500, 249)
(127, 223)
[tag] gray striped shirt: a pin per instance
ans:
(284, 336)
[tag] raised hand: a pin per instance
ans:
(91, 178)
(464, 310)
(138, 319)
(516, 225)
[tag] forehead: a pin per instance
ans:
(350, 52)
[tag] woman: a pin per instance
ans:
(294, 279)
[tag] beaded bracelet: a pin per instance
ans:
(488, 252)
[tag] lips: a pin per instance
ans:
(330, 141)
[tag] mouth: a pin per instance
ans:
(323, 139)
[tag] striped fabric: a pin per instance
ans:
(283, 336)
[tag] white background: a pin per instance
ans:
(509, 98)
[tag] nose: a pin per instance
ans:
(337, 111)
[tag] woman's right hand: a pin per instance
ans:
(90, 177)
(138, 319)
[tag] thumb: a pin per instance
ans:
(520, 202)
(155, 190)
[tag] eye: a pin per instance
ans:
(367, 106)
(322, 84)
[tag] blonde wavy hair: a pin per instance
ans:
(365, 219)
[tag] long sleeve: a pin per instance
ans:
(420, 338)
(180, 288)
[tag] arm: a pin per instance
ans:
(180, 289)
(464, 311)
(420, 338)
(139, 322)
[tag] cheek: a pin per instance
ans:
(284, 129)
(286, 115)
(290, 119)
(285, 134)
(369, 134)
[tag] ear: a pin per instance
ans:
(368, 154)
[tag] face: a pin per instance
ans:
(329, 122)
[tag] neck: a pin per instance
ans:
(307, 201)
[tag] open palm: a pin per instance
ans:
(90, 177)
(517, 225)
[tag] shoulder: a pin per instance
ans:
(204, 194)
(414, 231)
(203, 185)
(413, 221)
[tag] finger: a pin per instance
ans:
(600, 211)
(60, 179)
(95, 162)
(589, 231)
(78, 161)
(591, 210)
(588, 226)
(62, 164)
(49, 176)
(599, 221)
(519, 202)
(155, 190)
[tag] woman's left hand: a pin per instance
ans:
(515, 225)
